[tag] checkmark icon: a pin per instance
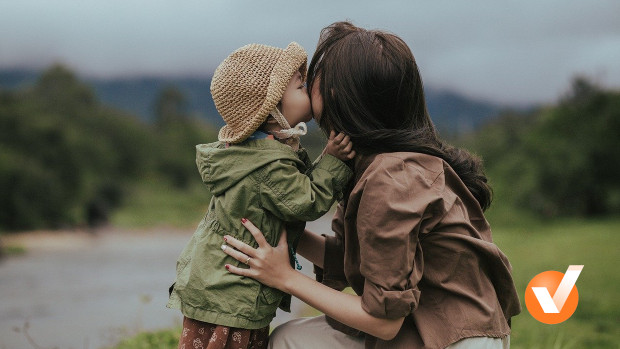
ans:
(556, 308)
(554, 305)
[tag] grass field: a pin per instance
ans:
(554, 246)
(533, 246)
(154, 203)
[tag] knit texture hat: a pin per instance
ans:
(248, 84)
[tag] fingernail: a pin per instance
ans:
(225, 239)
(243, 220)
(223, 247)
(227, 267)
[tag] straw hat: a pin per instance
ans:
(248, 84)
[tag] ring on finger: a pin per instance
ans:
(247, 261)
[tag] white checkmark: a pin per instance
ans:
(555, 304)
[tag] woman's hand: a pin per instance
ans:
(268, 265)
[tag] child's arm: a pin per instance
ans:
(294, 196)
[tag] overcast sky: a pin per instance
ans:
(508, 51)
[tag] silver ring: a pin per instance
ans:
(247, 261)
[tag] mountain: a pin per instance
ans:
(450, 111)
(17, 78)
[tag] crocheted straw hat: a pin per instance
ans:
(250, 82)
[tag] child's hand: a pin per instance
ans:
(339, 146)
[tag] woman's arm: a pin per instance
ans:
(270, 266)
(312, 247)
(343, 307)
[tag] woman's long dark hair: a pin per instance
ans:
(372, 90)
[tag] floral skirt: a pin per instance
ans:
(203, 335)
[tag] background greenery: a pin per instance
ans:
(66, 159)
(558, 160)
(69, 160)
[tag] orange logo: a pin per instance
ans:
(557, 308)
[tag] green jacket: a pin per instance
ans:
(262, 180)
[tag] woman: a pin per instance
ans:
(411, 237)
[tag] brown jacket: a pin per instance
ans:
(413, 242)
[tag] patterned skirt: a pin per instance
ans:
(203, 335)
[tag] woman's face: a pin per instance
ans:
(316, 100)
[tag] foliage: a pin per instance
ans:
(154, 203)
(66, 159)
(559, 160)
(152, 340)
(178, 134)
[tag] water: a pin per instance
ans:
(78, 290)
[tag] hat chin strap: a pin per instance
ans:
(290, 136)
(287, 132)
(299, 130)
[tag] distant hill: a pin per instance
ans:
(450, 111)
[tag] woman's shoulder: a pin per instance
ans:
(408, 164)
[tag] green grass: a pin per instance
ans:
(154, 202)
(152, 340)
(554, 246)
(12, 250)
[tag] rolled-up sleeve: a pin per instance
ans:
(394, 204)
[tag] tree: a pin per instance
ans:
(64, 155)
(560, 160)
(170, 107)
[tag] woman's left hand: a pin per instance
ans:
(268, 265)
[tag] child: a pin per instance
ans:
(256, 171)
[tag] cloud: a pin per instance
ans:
(517, 52)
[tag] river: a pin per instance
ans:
(81, 290)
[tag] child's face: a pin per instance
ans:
(295, 102)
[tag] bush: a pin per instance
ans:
(66, 159)
(559, 160)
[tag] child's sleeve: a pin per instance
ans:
(291, 195)
(303, 156)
